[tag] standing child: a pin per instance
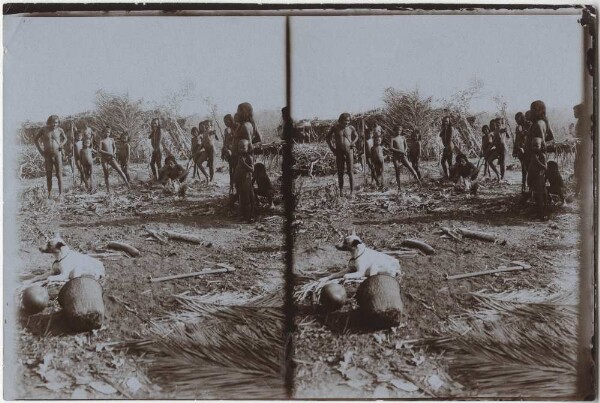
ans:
(54, 139)
(446, 134)
(243, 174)
(519, 145)
(68, 149)
(486, 145)
(227, 149)
(86, 157)
(264, 186)
(77, 146)
(195, 146)
(377, 161)
(556, 184)
(536, 176)
(500, 135)
(399, 149)
(414, 151)
(492, 155)
(206, 151)
(155, 140)
(368, 146)
(107, 157)
(123, 155)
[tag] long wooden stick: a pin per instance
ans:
(185, 275)
(364, 156)
(482, 273)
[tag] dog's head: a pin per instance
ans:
(54, 245)
(350, 243)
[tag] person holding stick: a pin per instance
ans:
(108, 156)
(414, 151)
(155, 140)
(77, 146)
(123, 155)
(399, 149)
(446, 134)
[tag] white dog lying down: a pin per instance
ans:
(69, 264)
(365, 262)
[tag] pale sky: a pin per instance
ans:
(344, 63)
(55, 65)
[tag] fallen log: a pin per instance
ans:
(451, 233)
(82, 304)
(379, 301)
(483, 273)
(483, 236)
(422, 246)
(185, 275)
(156, 235)
(130, 250)
(183, 237)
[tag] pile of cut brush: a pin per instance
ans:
(31, 162)
(214, 351)
(313, 159)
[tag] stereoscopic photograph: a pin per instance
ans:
(441, 166)
(146, 175)
(287, 203)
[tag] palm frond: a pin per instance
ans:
(206, 350)
(519, 344)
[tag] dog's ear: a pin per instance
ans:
(353, 231)
(356, 242)
(59, 244)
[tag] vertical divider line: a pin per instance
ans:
(289, 205)
(587, 176)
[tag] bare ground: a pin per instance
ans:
(337, 358)
(54, 363)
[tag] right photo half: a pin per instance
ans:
(443, 192)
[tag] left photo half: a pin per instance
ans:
(144, 252)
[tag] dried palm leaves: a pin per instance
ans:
(520, 344)
(213, 351)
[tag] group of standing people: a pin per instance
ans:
(241, 139)
(53, 144)
(342, 140)
(532, 140)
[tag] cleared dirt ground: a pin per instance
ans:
(334, 354)
(53, 363)
(337, 357)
